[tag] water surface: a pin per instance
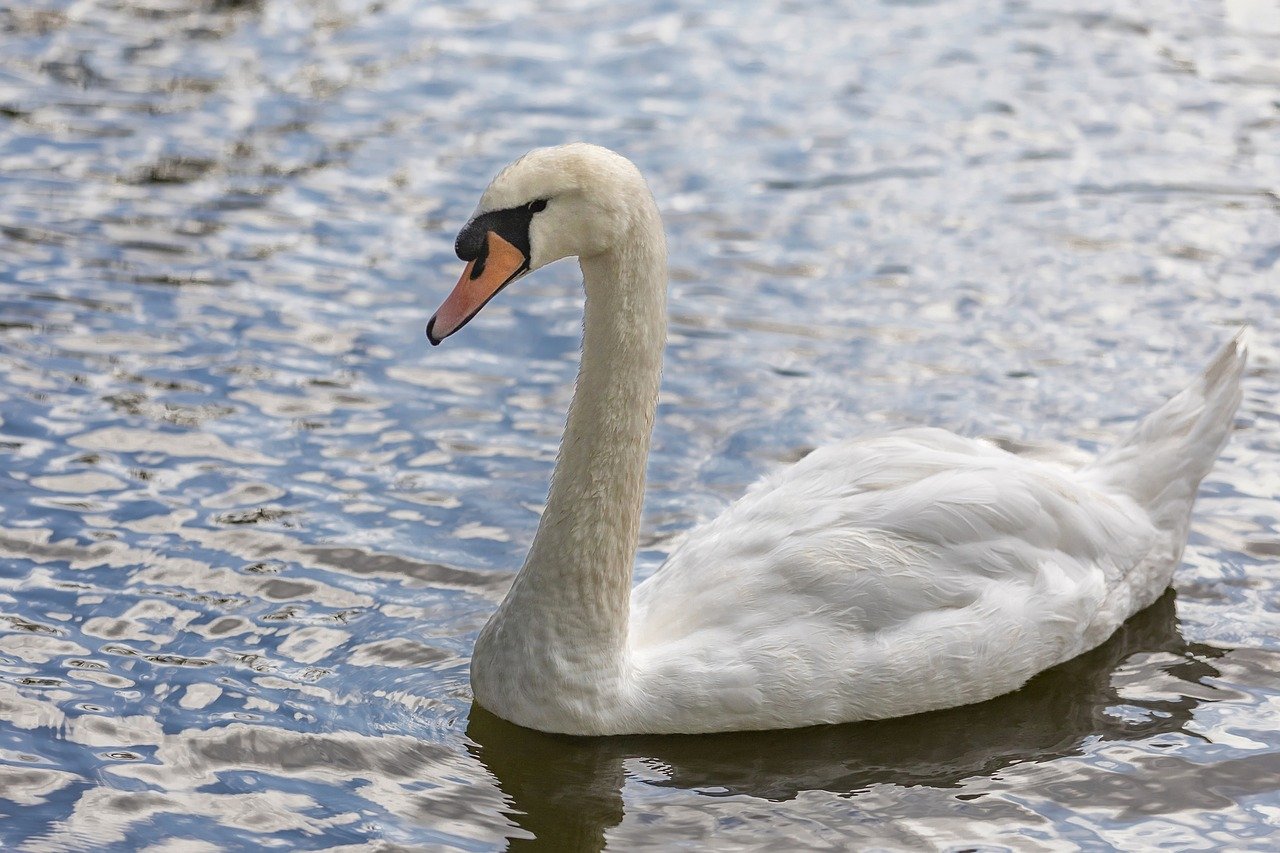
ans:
(251, 522)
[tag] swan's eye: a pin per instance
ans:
(537, 206)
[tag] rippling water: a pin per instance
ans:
(251, 522)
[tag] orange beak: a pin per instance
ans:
(483, 278)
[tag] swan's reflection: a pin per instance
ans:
(566, 791)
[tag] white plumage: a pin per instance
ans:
(874, 578)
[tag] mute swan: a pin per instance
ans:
(875, 578)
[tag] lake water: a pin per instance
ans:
(251, 522)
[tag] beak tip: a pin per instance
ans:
(431, 329)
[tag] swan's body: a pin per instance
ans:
(874, 578)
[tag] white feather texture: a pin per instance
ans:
(875, 578)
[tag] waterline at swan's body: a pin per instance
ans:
(876, 578)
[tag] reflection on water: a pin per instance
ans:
(250, 523)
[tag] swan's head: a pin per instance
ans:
(571, 200)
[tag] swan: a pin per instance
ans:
(874, 578)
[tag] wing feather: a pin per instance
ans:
(873, 538)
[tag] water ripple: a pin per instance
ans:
(252, 523)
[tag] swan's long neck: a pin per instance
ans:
(583, 553)
(567, 612)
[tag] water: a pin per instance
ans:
(251, 522)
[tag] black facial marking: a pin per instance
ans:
(511, 225)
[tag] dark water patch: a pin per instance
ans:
(190, 279)
(257, 515)
(1153, 188)
(393, 567)
(1263, 547)
(32, 234)
(18, 623)
(175, 170)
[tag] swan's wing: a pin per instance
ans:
(896, 543)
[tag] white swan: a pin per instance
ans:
(875, 578)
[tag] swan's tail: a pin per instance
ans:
(1163, 461)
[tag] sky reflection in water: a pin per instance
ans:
(252, 522)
